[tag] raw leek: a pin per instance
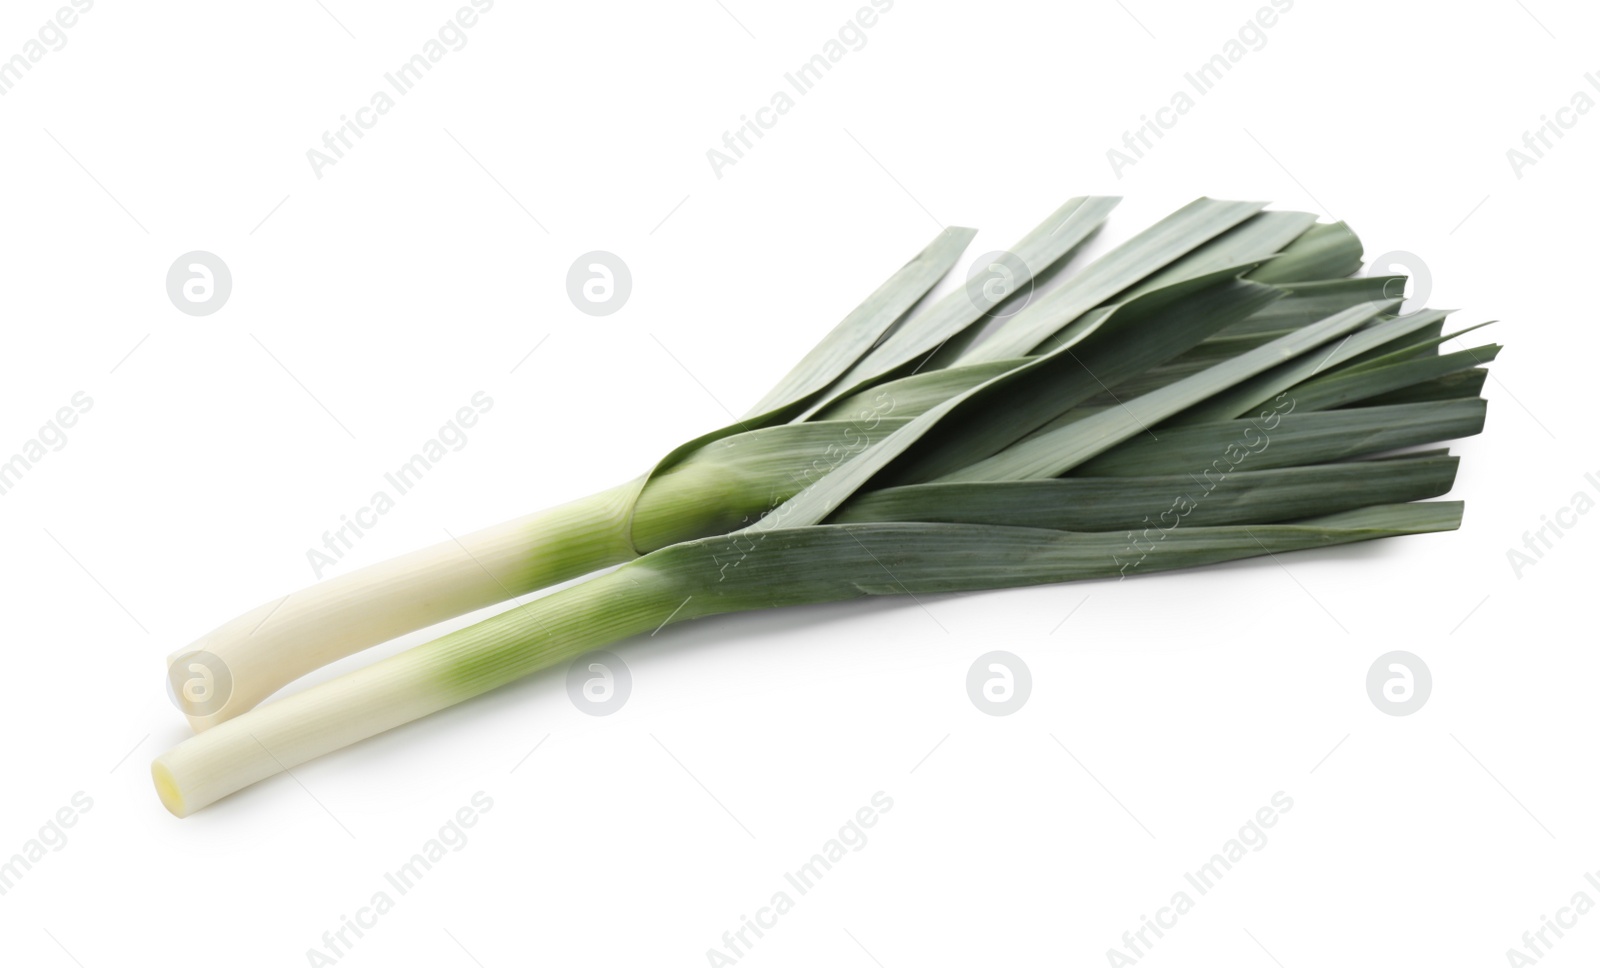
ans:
(1213, 378)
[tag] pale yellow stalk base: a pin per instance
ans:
(271, 646)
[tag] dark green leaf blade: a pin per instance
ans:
(858, 332)
(1206, 498)
(826, 563)
(1289, 437)
(1342, 388)
(1323, 252)
(1058, 451)
(925, 331)
(1115, 272)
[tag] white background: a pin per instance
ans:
(374, 301)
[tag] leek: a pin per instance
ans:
(1214, 371)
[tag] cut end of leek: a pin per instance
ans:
(167, 789)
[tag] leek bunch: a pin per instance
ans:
(1219, 386)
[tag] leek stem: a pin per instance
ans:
(283, 734)
(271, 646)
